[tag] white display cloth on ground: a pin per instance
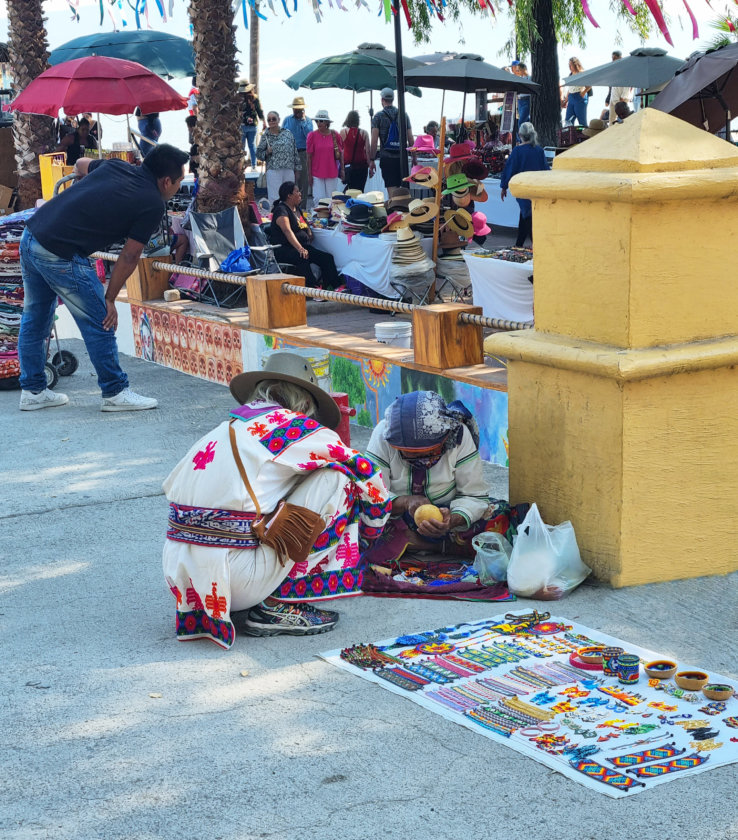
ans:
(501, 288)
(498, 212)
(366, 258)
(613, 719)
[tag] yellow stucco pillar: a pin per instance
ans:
(623, 401)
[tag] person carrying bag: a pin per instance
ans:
(355, 152)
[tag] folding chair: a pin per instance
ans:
(415, 287)
(454, 280)
(215, 235)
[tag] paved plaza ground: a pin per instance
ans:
(112, 729)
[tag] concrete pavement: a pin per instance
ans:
(112, 729)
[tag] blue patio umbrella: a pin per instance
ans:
(164, 54)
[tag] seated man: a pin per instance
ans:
(428, 453)
(281, 441)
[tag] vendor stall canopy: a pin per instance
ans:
(139, 12)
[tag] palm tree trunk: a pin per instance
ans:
(33, 134)
(254, 46)
(546, 107)
(221, 166)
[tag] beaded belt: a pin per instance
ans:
(211, 527)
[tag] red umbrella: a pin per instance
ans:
(100, 84)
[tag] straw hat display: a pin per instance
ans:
(458, 152)
(400, 200)
(424, 145)
(408, 249)
(458, 184)
(460, 222)
(462, 199)
(423, 176)
(395, 221)
(421, 210)
(478, 192)
(323, 208)
(373, 197)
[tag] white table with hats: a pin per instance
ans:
(501, 288)
(366, 258)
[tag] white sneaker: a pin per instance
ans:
(127, 400)
(46, 399)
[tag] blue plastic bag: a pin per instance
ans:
(237, 262)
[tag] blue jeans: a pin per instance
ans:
(577, 107)
(46, 277)
(248, 135)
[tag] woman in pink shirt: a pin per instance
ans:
(324, 158)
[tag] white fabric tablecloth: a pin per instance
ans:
(498, 212)
(502, 288)
(366, 258)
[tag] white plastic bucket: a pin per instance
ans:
(394, 333)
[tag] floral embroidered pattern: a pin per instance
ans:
(335, 584)
(198, 624)
(279, 439)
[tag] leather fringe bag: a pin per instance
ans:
(291, 531)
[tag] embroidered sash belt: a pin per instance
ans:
(211, 527)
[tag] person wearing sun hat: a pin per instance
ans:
(300, 126)
(526, 157)
(595, 127)
(251, 113)
(428, 452)
(324, 157)
(277, 445)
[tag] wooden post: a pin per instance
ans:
(439, 187)
(269, 307)
(146, 282)
(441, 342)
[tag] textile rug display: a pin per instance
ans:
(604, 712)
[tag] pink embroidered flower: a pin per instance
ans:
(364, 466)
(284, 589)
(190, 622)
(311, 424)
(322, 540)
(317, 585)
(292, 433)
(206, 623)
(309, 465)
(204, 456)
(300, 587)
(275, 444)
(333, 583)
(341, 526)
(348, 581)
(276, 417)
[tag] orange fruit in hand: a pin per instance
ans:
(425, 512)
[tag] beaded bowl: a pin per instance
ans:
(691, 680)
(591, 655)
(660, 669)
(717, 691)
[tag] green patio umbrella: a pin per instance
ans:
(360, 71)
(161, 53)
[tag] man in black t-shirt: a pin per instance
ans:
(115, 201)
(385, 131)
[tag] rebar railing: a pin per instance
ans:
(323, 294)
(346, 297)
(493, 323)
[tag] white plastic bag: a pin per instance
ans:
(545, 562)
(492, 557)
